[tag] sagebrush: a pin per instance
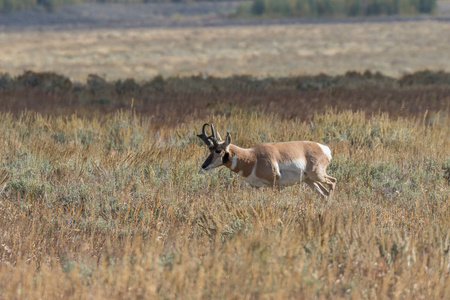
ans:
(116, 206)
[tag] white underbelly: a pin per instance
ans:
(291, 172)
(253, 180)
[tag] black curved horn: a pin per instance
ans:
(203, 136)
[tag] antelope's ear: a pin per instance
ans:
(228, 140)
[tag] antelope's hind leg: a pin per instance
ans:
(331, 182)
(320, 177)
(317, 186)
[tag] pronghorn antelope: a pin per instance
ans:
(272, 164)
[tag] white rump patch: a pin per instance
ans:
(326, 150)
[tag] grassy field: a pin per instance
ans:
(113, 204)
(392, 48)
(101, 191)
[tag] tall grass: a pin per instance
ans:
(116, 207)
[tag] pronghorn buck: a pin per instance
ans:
(272, 164)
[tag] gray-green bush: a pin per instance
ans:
(320, 8)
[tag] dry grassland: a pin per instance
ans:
(280, 50)
(100, 201)
(116, 208)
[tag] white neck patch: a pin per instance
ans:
(233, 162)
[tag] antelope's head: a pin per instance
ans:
(218, 148)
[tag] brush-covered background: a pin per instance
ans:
(101, 191)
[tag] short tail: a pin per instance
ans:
(325, 150)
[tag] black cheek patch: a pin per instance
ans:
(226, 157)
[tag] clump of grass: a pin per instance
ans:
(119, 208)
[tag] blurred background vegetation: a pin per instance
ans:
(162, 97)
(12, 5)
(317, 8)
(269, 8)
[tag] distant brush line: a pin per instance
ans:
(326, 8)
(54, 81)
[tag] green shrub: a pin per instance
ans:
(258, 7)
(49, 5)
(314, 8)
(45, 80)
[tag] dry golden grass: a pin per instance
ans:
(116, 207)
(391, 48)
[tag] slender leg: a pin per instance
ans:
(319, 176)
(316, 186)
(331, 182)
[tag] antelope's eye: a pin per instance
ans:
(218, 151)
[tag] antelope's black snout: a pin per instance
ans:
(207, 162)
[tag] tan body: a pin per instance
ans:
(275, 164)
(282, 164)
